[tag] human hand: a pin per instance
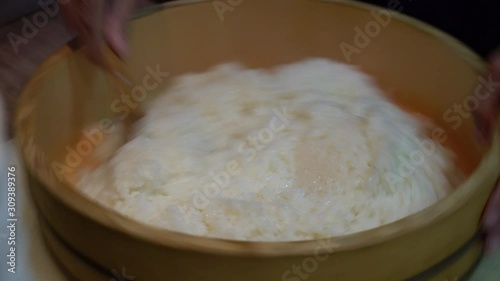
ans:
(485, 116)
(99, 23)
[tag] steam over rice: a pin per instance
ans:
(307, 150)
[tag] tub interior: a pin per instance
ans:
(415, 69)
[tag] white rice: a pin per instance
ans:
(326, 159)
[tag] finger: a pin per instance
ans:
(495, 63)
(74, 19)
(485, 115)
(492, 211)
(86, 17)
(493, 240)
(115, 27)
(488, 109)
(69, 13)
(95, 46)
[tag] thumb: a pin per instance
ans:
(489, 108)
(115, 28)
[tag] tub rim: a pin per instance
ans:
(111, 219)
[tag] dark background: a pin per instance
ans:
(474, 22)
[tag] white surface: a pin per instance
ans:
(33, 262)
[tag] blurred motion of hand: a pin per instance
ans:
(99, 23)
(486, 116)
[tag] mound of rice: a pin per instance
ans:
(304, 151)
